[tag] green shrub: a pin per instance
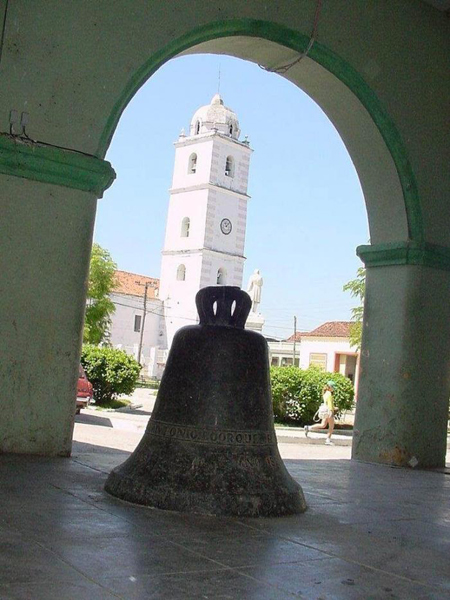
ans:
(297, 394)
(111, 372)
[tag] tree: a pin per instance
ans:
(99, 305)
(297, 393)
(112, 372)
(357, 288)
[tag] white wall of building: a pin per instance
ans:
(328, 347)
(202, 146)
(122, 333)
(212, 195)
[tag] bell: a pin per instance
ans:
(210, 445)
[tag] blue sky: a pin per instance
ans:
(306, 215)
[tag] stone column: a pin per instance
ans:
(402, 408)
(44, 261)
(48, 200)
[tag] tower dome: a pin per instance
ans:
(215, 117)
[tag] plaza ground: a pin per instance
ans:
(370, 531)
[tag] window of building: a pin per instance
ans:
(185, 226)
(229, 167)
(221, 276)
(197, 127)
(286, 361)
(318, 360)
(181, 273)
(137, 322)
(275, 361)
(231, 129)
(192, 164)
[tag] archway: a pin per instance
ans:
(70, 158)
(370, 136)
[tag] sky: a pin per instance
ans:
(306, 214)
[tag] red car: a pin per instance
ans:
(84, 390)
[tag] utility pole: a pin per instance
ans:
(295, 336)
(141, 338)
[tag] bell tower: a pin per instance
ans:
(207, 216)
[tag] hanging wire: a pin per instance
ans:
(285, 68)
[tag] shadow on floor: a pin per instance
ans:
(93, 420)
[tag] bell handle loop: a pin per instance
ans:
(222, 298)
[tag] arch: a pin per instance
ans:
(221, 276)
(394, 196)
(192, 165)
(185, 227)
(229, 166)
(181, 273)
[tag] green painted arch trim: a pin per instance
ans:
(405, 253)
(48, 164)
(298, 42)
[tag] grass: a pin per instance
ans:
(112, 404)
(153, 385)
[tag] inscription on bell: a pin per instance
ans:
(209, 435)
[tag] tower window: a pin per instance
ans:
(229, 167)
(231, 129)
(192, 163)
(221, 276)
(181, 273)
(197, 127)
(185, 226)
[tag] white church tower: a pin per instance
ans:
(206, 223)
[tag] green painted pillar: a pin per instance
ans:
(402, 409)
(47, 207)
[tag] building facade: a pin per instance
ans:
(327, 347)
(207, 215)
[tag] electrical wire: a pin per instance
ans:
(285, 68)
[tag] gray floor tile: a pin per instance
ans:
(213, 585)
(56, 591)
(338, 579)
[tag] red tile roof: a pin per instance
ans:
(134, 284)
(329, 329)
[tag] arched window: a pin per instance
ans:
(185, 226)
(197, 127)
(221, 276)
(229, 167)
(192, 163)
(231, 129)
(181, 273)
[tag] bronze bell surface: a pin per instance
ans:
(210, 445)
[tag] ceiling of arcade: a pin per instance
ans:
(74, 69)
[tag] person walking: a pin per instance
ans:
(325, 413)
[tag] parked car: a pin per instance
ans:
(85, 390)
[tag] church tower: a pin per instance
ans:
(206, 223)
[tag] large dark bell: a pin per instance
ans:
(210, 445)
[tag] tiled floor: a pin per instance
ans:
(370, 532)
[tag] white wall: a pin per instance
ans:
(224, 147)
(202, 145)
(226, 205)
(122, 327)
(328, 346)
(192, 204)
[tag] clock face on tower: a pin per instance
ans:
(226, 226)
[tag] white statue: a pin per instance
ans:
(254, 290)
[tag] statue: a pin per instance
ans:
(254, 290)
